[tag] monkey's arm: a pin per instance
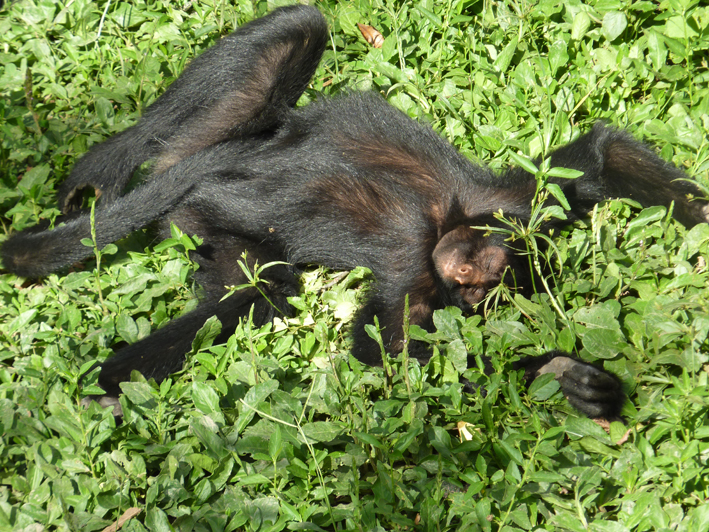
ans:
(241, 86)
(616, 165)
(591, 390)
(387, 303)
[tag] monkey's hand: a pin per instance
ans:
(591, 390)
(104, 401)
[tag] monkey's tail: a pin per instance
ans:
(33, 253)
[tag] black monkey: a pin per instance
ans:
(343, 182)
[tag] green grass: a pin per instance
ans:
(280, 429)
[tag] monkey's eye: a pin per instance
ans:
(489, 285)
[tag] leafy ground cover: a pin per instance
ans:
(280, 428)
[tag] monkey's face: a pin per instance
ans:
(471, 264)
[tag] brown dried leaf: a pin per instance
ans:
(603, 423)
(371, 35)
(130, 513)
(606, 425)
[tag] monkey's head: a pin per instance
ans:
(470, 264)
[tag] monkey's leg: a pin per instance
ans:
(242, 86)
(163, 352)
(34, 254)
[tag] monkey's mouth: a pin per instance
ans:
(469, 295)
(474, 294)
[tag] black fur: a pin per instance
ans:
(343, 182)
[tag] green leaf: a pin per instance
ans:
(678, 27)
(140, 394)
(348, 17)
(263, 510)
(127, 328)
(260, 392)
(446, 323)
(206, 335)
(592, 445)
(512, 452)
(617, 431)
(614, 23)
(543, 387)
(254, 480)
(323, 431)
(104, 111)
(637, 227)
(558, 56)
(583, 427)
(656, 50)
(524, 163)
(556, 192)
(430, 15)
(458, 355)
(275, 443)
(580, 25)
(205, 398)
(157, 520)
(699, 519)
(603, 343)
(602, 315)
(503, 60)
(208, 433)
(21, 321)
(564, 173)
(696, 239)
(369, 440)
(34, 176)
(392, 72)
